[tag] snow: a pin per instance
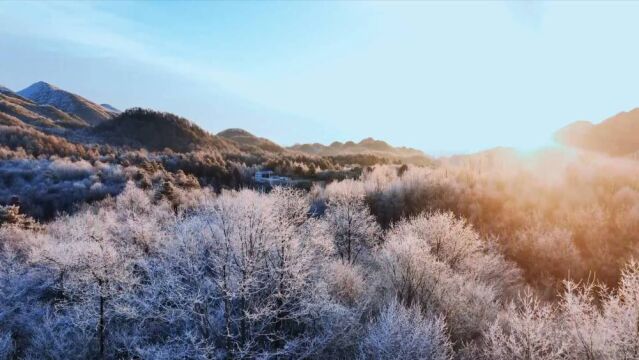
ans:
(111, 109)
(45, 93)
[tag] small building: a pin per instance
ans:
(269, 177)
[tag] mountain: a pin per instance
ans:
(111, 109)
(18, 111)
(617, 135)
(249, 142)
(43, 93)
(155, 131)
(368, 146)
(54, 111)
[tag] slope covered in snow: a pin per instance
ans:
(46, 94)
(111, 109)
(4, 89)
(19, 111)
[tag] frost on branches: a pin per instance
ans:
(295, 275)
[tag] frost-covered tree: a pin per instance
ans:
(6, 345)
(246, 274)
(621, 316)
(405, 333)
(10, 216)
(346, 282)
(603, 324)
(350, 222)
(242, 274)
(439, 263)
(93, 271)
(526, 330)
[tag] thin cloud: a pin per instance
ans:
(528, 13)
(84, 28)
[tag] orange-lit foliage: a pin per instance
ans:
(558, 214)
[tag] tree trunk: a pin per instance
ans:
(101, 327)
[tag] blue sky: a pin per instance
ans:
(447, 77)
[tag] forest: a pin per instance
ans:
(498, 255)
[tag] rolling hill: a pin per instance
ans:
(155, 131)
(249, 142)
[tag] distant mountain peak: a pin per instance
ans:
(367, 146)
(616, 135)
(234, 132)
(37, 89)
(18, 110)
(44, 85)
(111, 109)
(248, 141)
(44, 93)
(4, 89)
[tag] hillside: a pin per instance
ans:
(368, 146)
(18, 111)
(155, 131)
(618, 135)
(111, 109)
(249, 142)
(43, 93)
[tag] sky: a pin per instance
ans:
(443, 77)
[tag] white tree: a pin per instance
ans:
(454, 242)
(350, 222)
(439, 263)
(581, 321)
(243, 279)
(603, 324)
(405, 333)
(525, 330)
(93, 270)
(621, 316)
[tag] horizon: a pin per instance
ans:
(411, 74)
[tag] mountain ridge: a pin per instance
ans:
(366, 145)
(16, 110)
(43, 93)
(617, 135)
(248, 141)
(111, 108)
(53, 110)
